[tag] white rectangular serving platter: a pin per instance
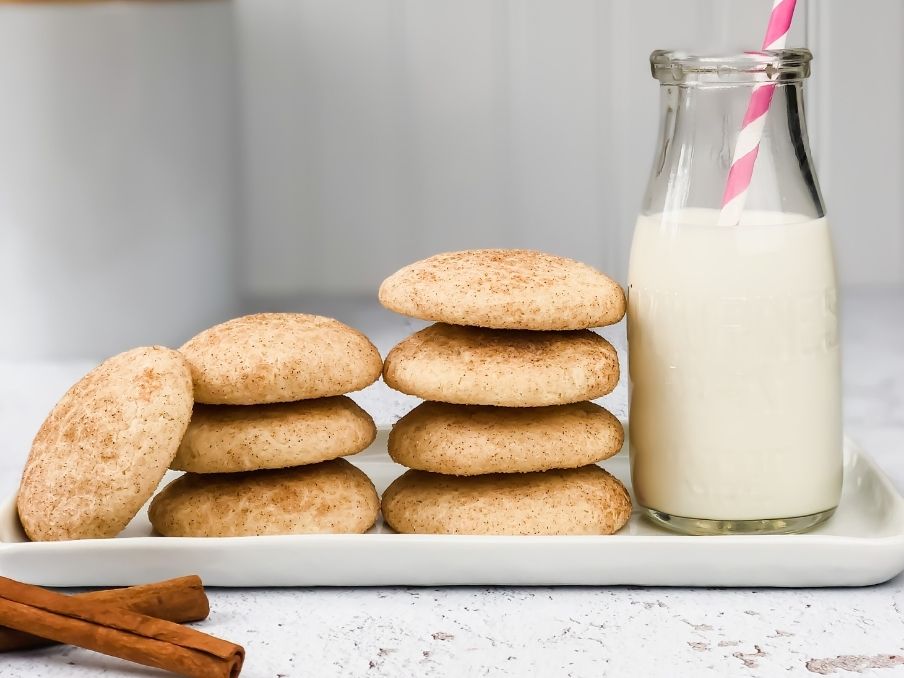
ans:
(862, 544)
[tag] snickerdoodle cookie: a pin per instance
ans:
(105, 446)
(279, 357)
(467, 440)
(585, 500)
(226, 438)
(505, 289)
(329, 497)
(512, 368)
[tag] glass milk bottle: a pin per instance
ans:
(735, 417)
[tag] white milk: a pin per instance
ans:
(735, 366)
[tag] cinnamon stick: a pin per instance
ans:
(117, 632)
(176, 600)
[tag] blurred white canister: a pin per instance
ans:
(117, 175)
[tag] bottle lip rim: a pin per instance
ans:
(674, 65)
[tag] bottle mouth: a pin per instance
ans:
(680, 67)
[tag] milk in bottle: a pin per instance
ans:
(735, 415)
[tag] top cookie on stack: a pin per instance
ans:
(279, 358)
(512, 332)
(505, 289)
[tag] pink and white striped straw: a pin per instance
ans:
(748, 143)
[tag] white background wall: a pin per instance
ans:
(160, 162)
(379, 132)
(118, 185)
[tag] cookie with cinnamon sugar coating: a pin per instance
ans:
(332, 497)
(512, 289)
(105, 446)
(279, 357)
(509, 368)
(467, 440)
(585, 500)
(229, 439)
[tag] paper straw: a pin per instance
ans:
(748, 143)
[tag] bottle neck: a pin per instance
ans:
(699, 127)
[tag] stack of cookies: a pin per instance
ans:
(262, 452)
(252, 409)
(507, 442)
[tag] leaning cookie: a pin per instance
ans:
(505, 289)
(227, 439)
(584, 500)
(104, 448)
(331, 497)
(278, 358)
(509, 368)
(466, 440)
